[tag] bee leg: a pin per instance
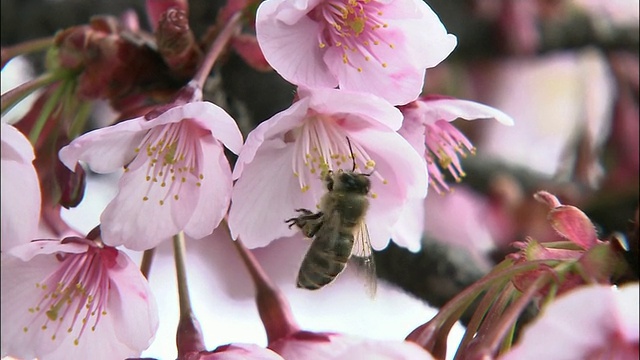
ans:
(309, 222)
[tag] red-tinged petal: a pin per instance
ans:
(586, 321)
(249, 50)
(107, 149)
(573, 224)
(289, 41)
(215, 195)
(265, 196)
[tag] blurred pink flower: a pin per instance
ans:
(176, 176)
(379, 47)
(305, 345)
(20, 189)
(280, 166)
(590, 322)
(74, 297)
(427, 127)
(235, 352)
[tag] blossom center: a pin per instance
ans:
(172, 154)
(75, 295)
(354, 27)
(321, 146)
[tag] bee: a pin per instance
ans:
(338, 230)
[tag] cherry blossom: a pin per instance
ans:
(280, 166)
(590, 322)
(427, 127)
(379, 47)
(20, 189)
(176, 176)
(74, 298)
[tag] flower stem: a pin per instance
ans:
(17, 94)
(147, 260)
(189, 335)
(26, 47)
(273, 307)
(231, 27)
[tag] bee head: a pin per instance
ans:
(349, 181)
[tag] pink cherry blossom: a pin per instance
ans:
(307, 345)
(176, 176)
(20, 189)
(379, 47)
(591, 322)
(73, 298)
(279, 168)
(235, 352)
(427, 127)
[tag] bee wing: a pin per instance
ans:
(362, 254)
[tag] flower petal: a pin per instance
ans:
(209, 116)
(106, 149)
(215, 193)
(571, 223)
(289, 41)
(452, 109)
(15, 146)
(267, 185)
(20, 212)
(276, 126)
(141, 224)
(366, 106)
(406, 176)
(132, 305)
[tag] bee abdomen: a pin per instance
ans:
(324, 261)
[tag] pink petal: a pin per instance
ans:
(571, 223)
(289, 41)
(142, 224)
(236, 352)
(399, 82)
(452, 109)
(209, 116)
(132, 305)
(406, 175)
(276, 126)
(106, 149)
(214, 198)
(19, 279)
(409, 229)
(15, 146)
(20, 212)
(265, 196)
(580, 323)
(366, 106)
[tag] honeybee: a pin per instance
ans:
(338, 231)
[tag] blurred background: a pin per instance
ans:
(567, 71)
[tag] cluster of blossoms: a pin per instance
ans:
(359, 69)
